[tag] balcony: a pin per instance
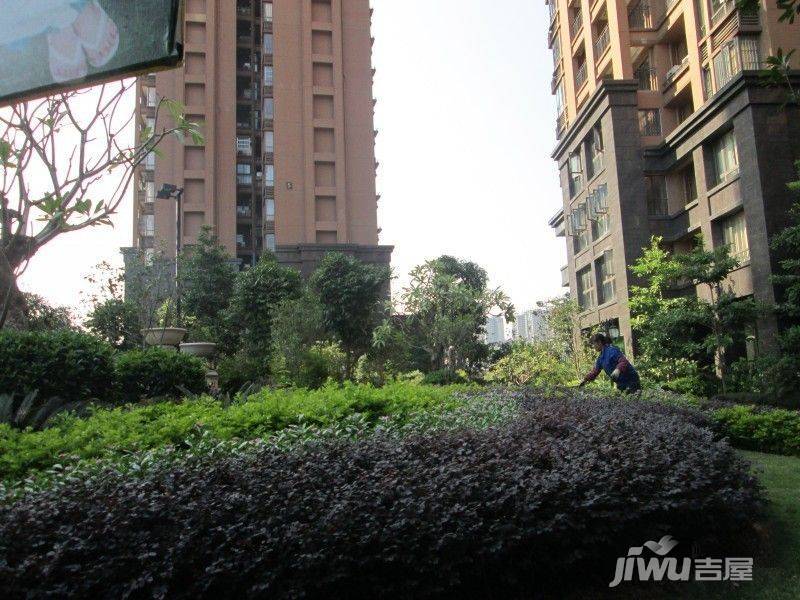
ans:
(721, 10)
(645, 16)
(244, 211)
(648, 79)
(565, 276)
(576, 24)
(561, 123)
(602, 43)
(675, 72)
(580, 76)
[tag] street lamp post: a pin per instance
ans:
(167, 192)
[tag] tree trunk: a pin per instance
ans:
(12, 304)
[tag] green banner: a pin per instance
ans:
(51, 45)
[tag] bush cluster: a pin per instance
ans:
(546, 501)
(776, 431)
(158, 373)
(125, 429)
(67, 364)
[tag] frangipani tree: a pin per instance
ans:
(56, 154)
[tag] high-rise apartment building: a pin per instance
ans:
(665, 129)
(283, 89)
(530, 326)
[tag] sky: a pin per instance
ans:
(466, 126)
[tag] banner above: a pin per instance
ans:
(47, 46)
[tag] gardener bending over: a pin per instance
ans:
(614, 363)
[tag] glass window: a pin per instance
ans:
(267, 12)
(657, 200)
(586, 288)
(150, 162)
(734, 235)
(244, 145)
(269, 242)
(147, 225)
(726, 63)
(269, 209)
(150, 191)
(606, 281)
(575, 173)
(556, 50)
(725, 158)
(650, 122)
(594, 151)
(579, 228)
(270, 169)
(268, 43)
(269, 74)
(269, 141)
(598, 212)
(269, 108)
(689, 185)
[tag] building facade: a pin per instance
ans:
(283, 89)
(665, 129)
(530, 326)
(495, 330)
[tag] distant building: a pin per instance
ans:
(495, 330)
(530, 326)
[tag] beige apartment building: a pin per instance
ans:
(664, 128)
(283, 89)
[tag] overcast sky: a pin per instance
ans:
(466, 124)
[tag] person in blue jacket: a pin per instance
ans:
(614, 363)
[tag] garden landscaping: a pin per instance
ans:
(402, 491)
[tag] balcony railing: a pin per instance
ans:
(645, 14)
(576, 24)
(672, 74)
(602, 42)
(244, 211)
(650, 122)
(580, 76)
(561, 123)
(722, 10)
(648, 79)
(657, 205)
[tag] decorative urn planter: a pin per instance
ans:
(163, 336)
(199, 349)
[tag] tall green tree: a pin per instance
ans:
(256, 294)
(562, 317)
(353, 297)
(673, 328)
(447, 302)
(206, 281)
(117, 322)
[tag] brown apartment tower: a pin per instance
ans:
(665, 129)
(284, 91)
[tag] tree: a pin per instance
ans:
(681, 328)
(352, 295)
(206, 281)
(41, 316)
(53, 152)
(117, 322)
(257, 293)
(447, 303)
(530, 364)
(563, 325)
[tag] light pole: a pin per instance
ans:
(169, 191)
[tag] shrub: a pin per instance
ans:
(444, 377)
(126, 429)
(775, 431)
(529, 364)
(542, 503)
(116, 322)
(68, 364)
(157, 373)
(241, 370)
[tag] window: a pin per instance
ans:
(269, 142)
(270, 169)
(657, 200)
(650, 122)
(579, 228)
(268, 43)
(734, 235)
(726, 63)
(585, 288)
(556, 51)
(151, 97)
(606, 281)
(244, 145)
(269, 209)
(150, 162)
(725, 159)
(244, 174)
(689, 185)
(267, 12)
(269, 108)
(598, 212)
(269, 75)
(147, 225)
(150, 191)
(708, 88)
(594, 151)
(575, 173)
(269, 242)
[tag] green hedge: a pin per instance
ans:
(158, 373)
(73, 366)
(773, 431)
(125, 429)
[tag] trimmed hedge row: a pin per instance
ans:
(127, 429)
(774, 431)
(545, 502)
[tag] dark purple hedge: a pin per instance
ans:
(545, 503)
